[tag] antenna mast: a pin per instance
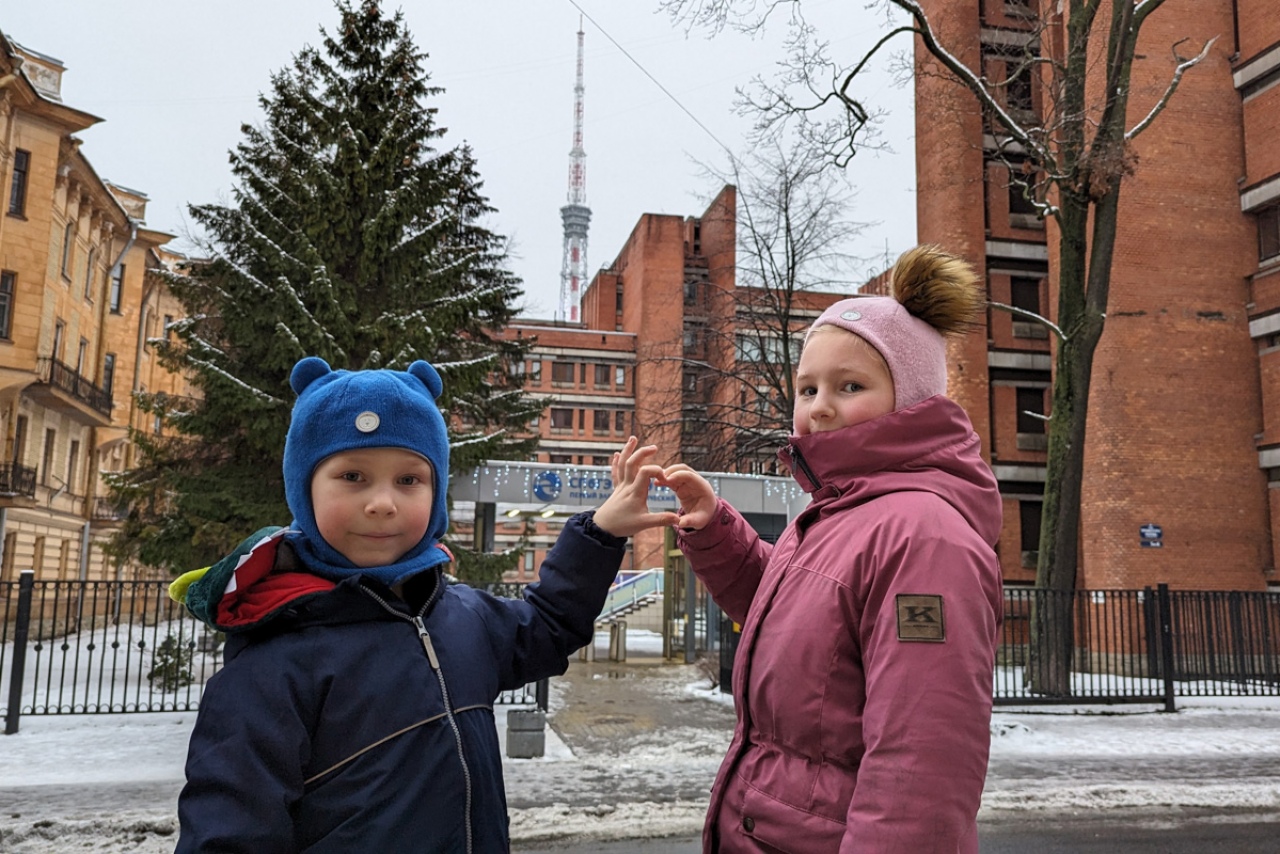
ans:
(576, 216)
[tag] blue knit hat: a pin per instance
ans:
(344, 410)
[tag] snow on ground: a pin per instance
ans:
(1223, 752)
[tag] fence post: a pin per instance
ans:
(541, 692)
(1166, 645)
(26, 583)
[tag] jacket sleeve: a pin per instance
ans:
(245, 764)
(730, 558)
(533, 637)
(926, 722)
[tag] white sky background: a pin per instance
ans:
(175, 81)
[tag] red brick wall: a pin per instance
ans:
(1261, 132)
(1259, 26)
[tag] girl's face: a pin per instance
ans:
(842, 380)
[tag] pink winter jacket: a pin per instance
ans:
(863, 676)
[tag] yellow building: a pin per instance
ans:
(76, 307)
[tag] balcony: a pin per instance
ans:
(104, 510)
(62, 388)
(16, 480)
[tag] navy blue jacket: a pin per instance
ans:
(349, 723)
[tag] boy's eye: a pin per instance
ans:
(808, 391)
(351, 476)
(410, 480)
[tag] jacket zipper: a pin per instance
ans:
(799, 460)
(434, 661)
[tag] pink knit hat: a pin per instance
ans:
(915, 352)
(935, 294)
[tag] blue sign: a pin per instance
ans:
(547, 486)
(1152, 536)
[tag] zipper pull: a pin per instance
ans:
(426, 643)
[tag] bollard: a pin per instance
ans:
(588, 652)
(618, 640)
(526, 733)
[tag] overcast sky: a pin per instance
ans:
(174, 82)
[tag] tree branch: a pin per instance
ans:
(1173, 86)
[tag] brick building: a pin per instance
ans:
(1184, 416)
(76, 305)
(661, 330)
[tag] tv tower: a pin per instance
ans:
(575, 215)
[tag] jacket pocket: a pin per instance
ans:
(762, 823)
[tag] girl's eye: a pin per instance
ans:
(410, 480)
(351, 476)
(852, 386)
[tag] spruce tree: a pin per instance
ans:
(354, 235)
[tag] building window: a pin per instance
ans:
(88, 275)
(535, 371)
(620, 422)
(561, 419)
(618, 299)
(117, 285)
(20, 440)
(1029, 519)
(59, 330)
(18, 187)
(582, 375)
(561, 459)
(46, 462)
(690, 380)
(1019, 189)
(582, 420)
(562, 373)
(600, 422)
(81, 352)
(73, 458)
(8, 281)
(108, 372)
(620, 377)
(1269, 233)
(691, 292)
(167, 330)
(68, 239)
(602, 376)
(1031, 432)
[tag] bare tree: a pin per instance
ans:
(742, 343)
(1056, 100)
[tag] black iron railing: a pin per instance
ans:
(68, 379)
(105, 647)
(17, 480)
(1134, 646)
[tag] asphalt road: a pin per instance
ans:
(1135, 832)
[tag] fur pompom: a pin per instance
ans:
(939, 288)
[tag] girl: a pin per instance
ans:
(863, 676)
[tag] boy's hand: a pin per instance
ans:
(626, 512)
(697, 498)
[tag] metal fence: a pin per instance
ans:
(106, 647)
(1135, 646)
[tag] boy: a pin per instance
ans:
(354, 712)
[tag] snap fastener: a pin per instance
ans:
(850, 315)
(748, 824)
(367, 422)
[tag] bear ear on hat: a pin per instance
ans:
(429, 376)
(308, 371)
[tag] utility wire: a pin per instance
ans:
(655, 80)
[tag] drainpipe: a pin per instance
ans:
(4, 521)
(84, 552)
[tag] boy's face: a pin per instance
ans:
(841, 381)
(373, 504)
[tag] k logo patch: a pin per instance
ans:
(920, 618)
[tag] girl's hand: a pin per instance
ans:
(626, 512)
(697, 498)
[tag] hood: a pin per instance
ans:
(928, 447)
